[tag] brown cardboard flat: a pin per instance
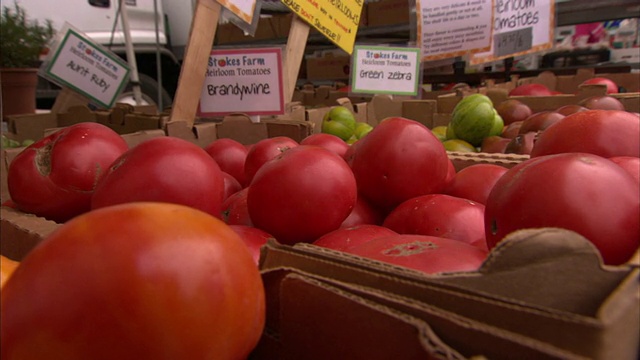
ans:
(6, 156)
(545, 284)
(125, 119)
(463, 159)
(21, 232)
(135, 138)
(388, 12)
(201, 134)
(23, 127)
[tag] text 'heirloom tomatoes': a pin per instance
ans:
(135, 281)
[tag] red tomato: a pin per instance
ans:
(231, 185)
(135, 281)
(451, 173)
(263, 151)
(398, 160)
(363, 213)
(165, 169)
(344, 239)
(429, 254)
(327, 141)
(539, 121)
(302, 194)
(581, 192)
(55, 177)
(230, 155)
(612, 87)
(235, 210)
(253, 238)
(531, 90)
(629, 163)
(442, 216)
(475, 182)
(606, 133)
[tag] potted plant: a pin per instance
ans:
(22, 40)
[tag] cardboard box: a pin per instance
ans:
(21, 232)
(462, 160)
(541, 294)
(388, 12)
(328, 67)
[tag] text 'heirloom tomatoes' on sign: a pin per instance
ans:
(164, 169)
(135, 281)
(581, 192)
(606, 133)
(302, 194)
(429, 254)
(398, 160)
(55, 177)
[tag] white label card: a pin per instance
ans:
(385, 70)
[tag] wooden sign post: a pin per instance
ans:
(192, 74)
(294, 52)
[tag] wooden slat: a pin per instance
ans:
(294, 52)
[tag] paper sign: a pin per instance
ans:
(385, 70)
(537, 16)
(87, 68)
(337, 20)
(450, 28)
(248, 81)
(244, 9)
(513, 42)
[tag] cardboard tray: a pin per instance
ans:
(542, 294)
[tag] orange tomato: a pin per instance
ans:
(7, 266)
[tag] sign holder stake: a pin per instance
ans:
(194, 67)
(294, 53)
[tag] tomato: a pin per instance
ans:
(581, 192)
(602, 102)
(475, 182)
(235, 210)
(253, 238)
(230, 155)
(7, 267)
(263, 151)
(429, 254)
(328, 141)
(165, 169)
(363, 213)
(531, 90)
(344, 239)
(606, 133)
(55, 177)
(512, 110)
(442, 216)
(231, 185)
(135, 281)
(570, 109)
(539, 121)
(612, 87)
(302, 194)
(398, 160)
(629, 163)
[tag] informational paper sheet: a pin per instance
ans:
(385, 70)
(450, 28)
(245, 81)
(85, 67)
(337, 20)
(520, 27)
(244, 9)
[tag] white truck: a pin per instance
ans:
(158, 53)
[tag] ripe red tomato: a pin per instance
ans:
(231, 185)
(602, 102)
(235, 210)
(253, 238)
(429, 254)
(531, 90)
(475, 182)
(327, 141)
(539, 121)
(629, 163)
(165, 169)
(56, 176)
(612, 87)
(398, 160)
(230, 155)
(302, 194)
(344, 239)
(581, 192)
(263, 151)
(606, 133)
(135, 281)
(363, 213)
(442, 216)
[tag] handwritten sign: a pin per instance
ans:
(86, 68)
(385, 70)
(243, 80)
(243, 9)
(511, 17)
(337, 20)
(450, 28)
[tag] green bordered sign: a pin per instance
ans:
(85, 67)
(385, 70)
